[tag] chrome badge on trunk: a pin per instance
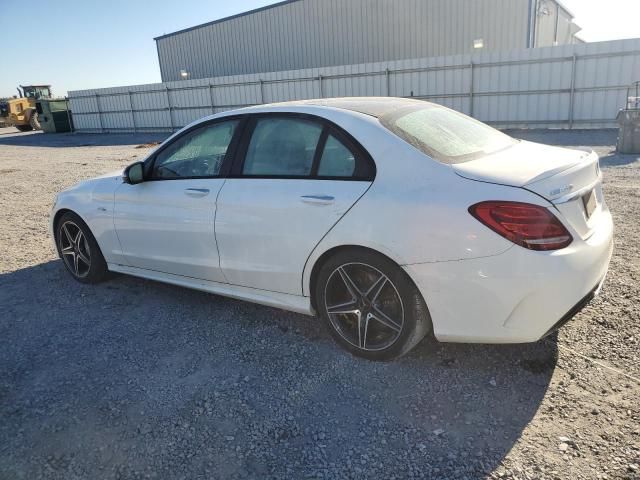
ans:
(561, 190)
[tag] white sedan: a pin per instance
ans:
(389, 218)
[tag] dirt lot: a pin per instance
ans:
(135, 379)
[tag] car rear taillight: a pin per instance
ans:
(529, 226)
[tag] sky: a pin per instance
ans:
(80, 44)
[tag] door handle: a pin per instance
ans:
(196, 192)
(317, 199)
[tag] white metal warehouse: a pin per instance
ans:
(298, 34)
(474, 56)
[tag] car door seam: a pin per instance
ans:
(215, 236)
(113, 222)
(304, 268)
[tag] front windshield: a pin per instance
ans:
(444, 134)
(36, 92)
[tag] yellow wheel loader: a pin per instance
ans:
(20, 112)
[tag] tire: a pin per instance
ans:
(34, 122)
(389, 313)
(24, 128)
(79, 250)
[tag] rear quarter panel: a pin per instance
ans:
(416, 210)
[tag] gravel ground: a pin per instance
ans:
(135, 379)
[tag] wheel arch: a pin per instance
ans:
(58, 215)
(322, 258)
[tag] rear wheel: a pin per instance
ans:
(79, 250)
(371, 306)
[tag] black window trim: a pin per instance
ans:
(229, 157)
(317, 157)
(236, 153)
(328, 128)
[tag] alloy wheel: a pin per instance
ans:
(74, 249)
(364, 306)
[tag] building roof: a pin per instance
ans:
(562, 6)
(279, 4)
(225, 19)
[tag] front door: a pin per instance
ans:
(166, 223)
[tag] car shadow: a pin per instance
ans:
(41, 139)
(92, 372)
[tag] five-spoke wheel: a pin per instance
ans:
(75, 249)
(370, 304)
(364, 306)
(79, 250)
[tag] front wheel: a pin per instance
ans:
(371, 306)
(79, 250)
(34, 121)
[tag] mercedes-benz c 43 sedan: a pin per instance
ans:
(389, 218)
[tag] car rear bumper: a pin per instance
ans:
(577, 308)
(515, 297)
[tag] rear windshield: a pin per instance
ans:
(445, 135)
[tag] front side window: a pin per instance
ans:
(445, 135)
(199, 153)
(282, 147)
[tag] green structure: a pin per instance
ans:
(54, 116)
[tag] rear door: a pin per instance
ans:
(294, 178)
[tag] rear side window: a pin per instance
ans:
(282, 147)
(444, 134)
(337, 160)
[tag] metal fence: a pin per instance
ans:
(572, 86)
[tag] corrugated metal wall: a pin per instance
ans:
(319, 33)
(573, 86)
(554, 25)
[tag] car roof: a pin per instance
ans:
(373, 106)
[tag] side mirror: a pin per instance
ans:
(134, 173)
